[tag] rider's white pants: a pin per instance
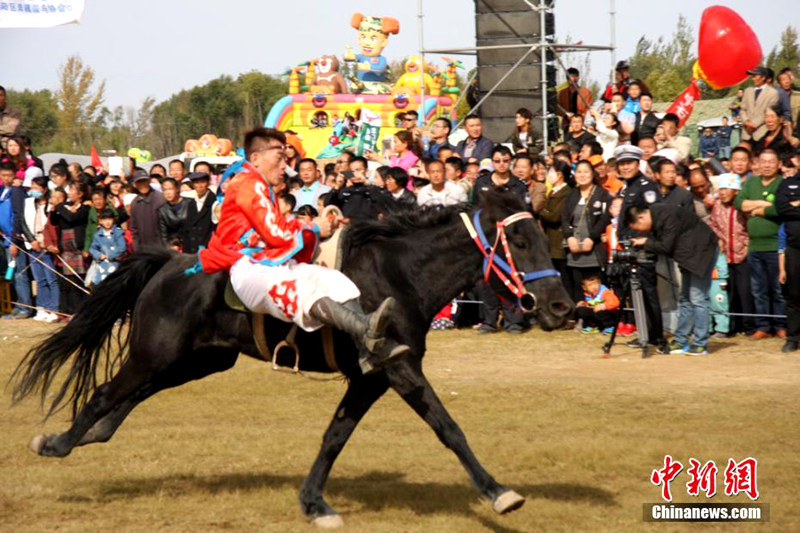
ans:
(288, 291)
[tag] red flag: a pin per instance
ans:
(96, 163)
(684, 104)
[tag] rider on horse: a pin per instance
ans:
(267, 257)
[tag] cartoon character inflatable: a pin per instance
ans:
(411, 78)
(208, 144)
(327, 79)
(373, 36)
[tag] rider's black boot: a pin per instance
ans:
(368, 331)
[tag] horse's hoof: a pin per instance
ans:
(507, 502)
(329, 521)
(37, 443)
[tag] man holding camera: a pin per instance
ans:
(641, 192)
(358, 199)
(682, 236)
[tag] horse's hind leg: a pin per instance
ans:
(410, 383)
(190, 367)
(129, 380)
(361, 394)
(104, 429)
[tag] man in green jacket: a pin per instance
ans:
(757, 201)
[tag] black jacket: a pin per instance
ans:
(680, 197)
(597, 217)
(66, 219)
(197, 228)
(580, 140)
(407, 200)
(683, 237)
(517, 145)
(360, 201)
(641, 192)
(789, 191)
(171, 219)
(484, 184)
(646, 127)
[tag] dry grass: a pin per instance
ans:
(575, 433)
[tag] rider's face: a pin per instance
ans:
(270, 161)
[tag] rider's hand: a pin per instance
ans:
(324, 225)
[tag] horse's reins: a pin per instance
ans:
(505, 270)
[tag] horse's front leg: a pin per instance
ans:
(361, 393)
(407, 379)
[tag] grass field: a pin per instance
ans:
(575, 433)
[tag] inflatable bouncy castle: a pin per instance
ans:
(331, 103)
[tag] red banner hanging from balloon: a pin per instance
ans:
(684, 104)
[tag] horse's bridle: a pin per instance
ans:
(505, 270)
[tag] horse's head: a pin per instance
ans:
(521, 269)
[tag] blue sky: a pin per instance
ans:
(164, 46)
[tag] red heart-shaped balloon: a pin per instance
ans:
(728, 47)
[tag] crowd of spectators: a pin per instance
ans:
(602, 183)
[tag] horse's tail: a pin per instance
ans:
(89, 336)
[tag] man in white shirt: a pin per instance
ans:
(312, 189)
(440, 191)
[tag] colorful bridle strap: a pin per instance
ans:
(505, 270)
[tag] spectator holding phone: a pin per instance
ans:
(356, 198)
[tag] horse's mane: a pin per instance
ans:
(405, 222)
(409, 221)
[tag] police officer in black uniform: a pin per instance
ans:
(641, 191)
(787, 202)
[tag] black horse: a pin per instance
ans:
(182, 330)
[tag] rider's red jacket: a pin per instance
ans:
(251, 224)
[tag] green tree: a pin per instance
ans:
(788, 55)
(39, 116)
(224, 106)
(79, 104)
(665, 66)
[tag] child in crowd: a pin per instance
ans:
(286, 203)
(99, 204)
(307, 213)
(730, 226)
(108, 246)
(719, 298)
(321, 202)
(596, 311)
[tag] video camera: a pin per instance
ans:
(630, 255)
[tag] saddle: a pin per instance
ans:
(329, 254)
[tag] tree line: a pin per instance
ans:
(75, 117)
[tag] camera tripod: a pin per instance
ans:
(632, 291)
